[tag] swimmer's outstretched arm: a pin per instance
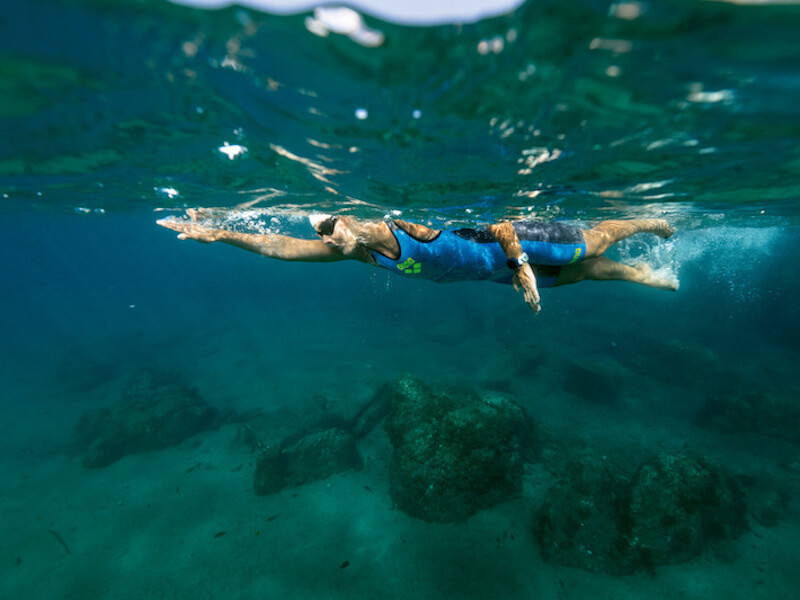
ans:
(524, 279)
(277, 246)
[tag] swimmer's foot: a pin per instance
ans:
(649, 278)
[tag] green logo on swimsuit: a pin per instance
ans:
(410, 267)
(577, 255)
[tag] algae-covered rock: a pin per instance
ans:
(454, 454)
(153, 414)
(670, 511)
(578, 522)
(766, 413)
(677, 506)
(309, 458)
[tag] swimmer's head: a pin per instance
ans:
(323, 224)
(338, 232)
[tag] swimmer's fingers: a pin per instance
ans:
(200, 233)
(526, 280)
(533, 302)
(532, 299)
(182, 227)
(170, 223)
(191, 231)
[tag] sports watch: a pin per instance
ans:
(516, 263)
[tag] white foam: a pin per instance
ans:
(232, 150)
(729, 255)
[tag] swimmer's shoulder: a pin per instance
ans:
(417, 231)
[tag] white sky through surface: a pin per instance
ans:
(418, 12)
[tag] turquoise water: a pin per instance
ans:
(116, 113)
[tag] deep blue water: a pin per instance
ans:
(113, 114)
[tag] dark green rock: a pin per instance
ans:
(269, 474)
(678, 505)
(309, 458)
(454, 453)
(670, 511)
(150, 416)
(578, 522)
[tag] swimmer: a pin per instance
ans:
(527, 254)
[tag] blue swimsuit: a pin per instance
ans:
(470, 255)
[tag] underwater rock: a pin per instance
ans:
(314, 451)
(283, 426)
(766, 413)
(594, 380)
(578, 522)
(151, 415)
(315, 456)
(677, 506)
(453, 454)
(670, 511)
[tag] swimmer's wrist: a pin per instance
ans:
(515, 264)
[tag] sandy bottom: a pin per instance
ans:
(185, 523)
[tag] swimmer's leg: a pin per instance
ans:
(600, 237)
(605, 269)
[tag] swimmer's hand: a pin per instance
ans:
(525, 280)
(191, 230)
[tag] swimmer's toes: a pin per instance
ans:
(671, 285)
(668, 285)
(663, 283)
